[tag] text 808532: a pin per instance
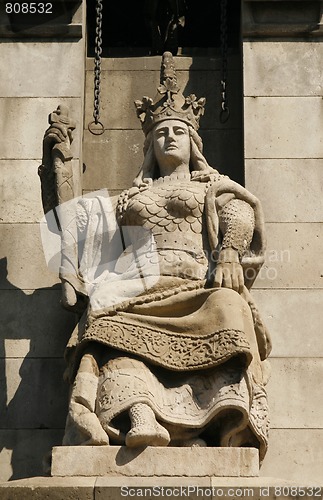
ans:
(29, 8)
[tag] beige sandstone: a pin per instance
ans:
(154, 461)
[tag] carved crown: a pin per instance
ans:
(169, 102)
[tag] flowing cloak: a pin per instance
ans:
(196, 354)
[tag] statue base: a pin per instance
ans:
(117, 488)
(154, 461)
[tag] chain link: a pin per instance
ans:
(96, 127)
(224, 113)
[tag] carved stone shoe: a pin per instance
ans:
(145, 430)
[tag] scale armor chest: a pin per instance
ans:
(172, 210)
(173, 206)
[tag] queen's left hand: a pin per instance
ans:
(229, 271)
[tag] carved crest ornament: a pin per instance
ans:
(170, 349)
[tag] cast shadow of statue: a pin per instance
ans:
(33, 394)
(222, 133)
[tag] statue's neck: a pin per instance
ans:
(180, 176)
(180, 170)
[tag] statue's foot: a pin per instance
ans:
(147, 436)
(145, 430)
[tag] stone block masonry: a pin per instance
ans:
(283, 78)
(40, 74)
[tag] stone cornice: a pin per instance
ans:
(282, 18)
(65, 20)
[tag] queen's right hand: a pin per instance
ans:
(56, 134)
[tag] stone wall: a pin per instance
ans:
(283, 166)
(38, 74)
(283, 120)
(113, 159)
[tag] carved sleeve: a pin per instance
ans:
(122, 204)
(237, 222)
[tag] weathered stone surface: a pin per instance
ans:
(34, 394)
(57, 172)
(114, 158)
(296, 455)
(152, 63)
(292, 256)
(154, 461)
(57, 72)
(118, 481)
(20, 200)
(63, 22)
(24, 450)
(264, 19)
(24, 331)
(113, 193)
(23, 265)
(291, 127)
(260, 482)
(294, 393)
(283, 68)
(177, 212)
(21, 141)
(293, 332)
(224, 151)
(51, 488)
(283, 145)
(193, 488)
(122, 154)
(115, 488)
(287, 188)
(122, 88)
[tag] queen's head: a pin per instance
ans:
(170, 123)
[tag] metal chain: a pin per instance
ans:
(96, 127)
(225, 112)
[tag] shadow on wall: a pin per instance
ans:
(33, 395)
(222, 134)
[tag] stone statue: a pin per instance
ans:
(170, 349)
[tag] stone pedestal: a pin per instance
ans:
(108, 473)
(154, 461)
(117, 488)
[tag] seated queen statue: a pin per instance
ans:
(170, 349)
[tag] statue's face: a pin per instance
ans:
(172, 143)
